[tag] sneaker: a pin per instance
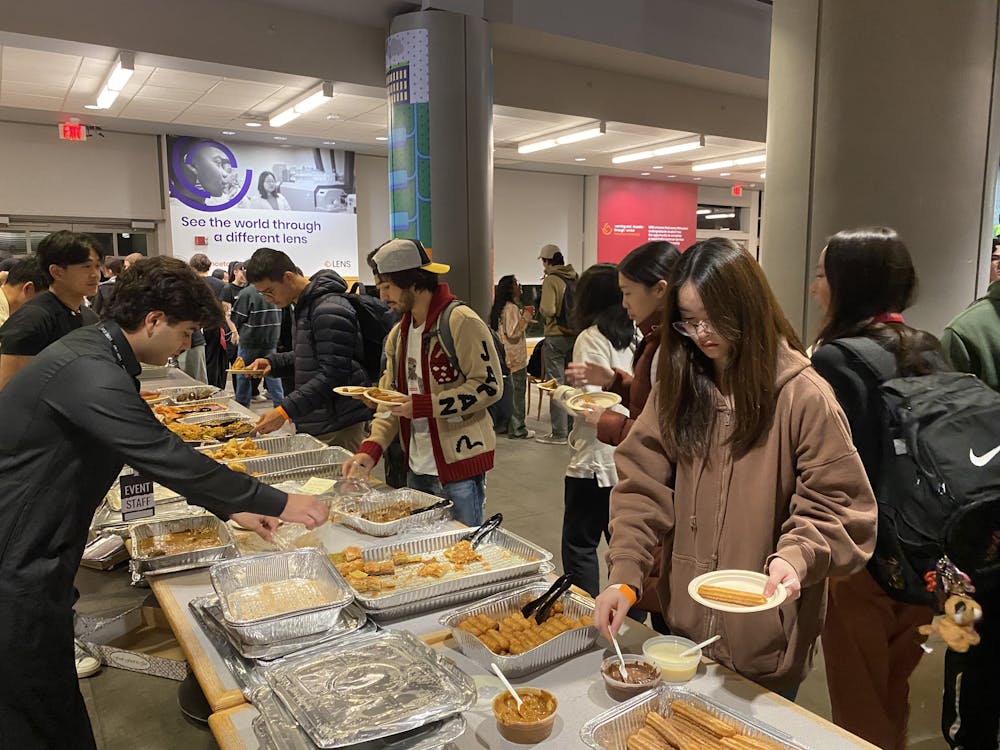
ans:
(551, 439)
(260, 398)
(526, 436)
(86, 665)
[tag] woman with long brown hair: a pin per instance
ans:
(740, 460)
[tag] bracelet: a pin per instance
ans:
(628, 591)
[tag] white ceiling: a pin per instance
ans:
(176, 100)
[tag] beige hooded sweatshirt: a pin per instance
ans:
(801, 494)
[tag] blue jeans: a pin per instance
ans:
(467, 495)
(244, 386)
(558, 353)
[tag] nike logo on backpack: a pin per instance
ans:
(983, 459)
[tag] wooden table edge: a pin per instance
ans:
(217, 696)
(224, 730)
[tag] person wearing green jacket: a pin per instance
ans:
(972, 340)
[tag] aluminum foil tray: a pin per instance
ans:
(185, 560)
(214, 416)
(263, 466)
(280, 568)
(506, 554)
(279, 730)
(173, 391)
(611, 729)
(108, 519)
(276, 445)
(553, 651)
(459, 597)
(302, 474)
(350, 621)
(349, 510)
(370, 688)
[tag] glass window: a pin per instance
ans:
(13, 243)
(130, 242)
(719, 218)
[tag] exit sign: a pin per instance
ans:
(72, 131)
(736, 191)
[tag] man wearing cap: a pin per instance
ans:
(556, 308)
(441, 357)
(326, 353)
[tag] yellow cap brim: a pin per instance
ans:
(436, 267)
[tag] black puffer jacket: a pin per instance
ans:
(325, 356)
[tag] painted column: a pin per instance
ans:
(440, 87)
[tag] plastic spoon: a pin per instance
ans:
(510, 688)
(704, 643)
(621, 660)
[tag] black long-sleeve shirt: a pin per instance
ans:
(71, 419)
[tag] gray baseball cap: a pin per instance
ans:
(403, 254)
(548, 252)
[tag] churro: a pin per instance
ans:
(647, 739)
(731, 596)
(703, 718)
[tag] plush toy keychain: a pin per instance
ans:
(957, 626)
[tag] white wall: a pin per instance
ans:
(372, 179)
(115, 177)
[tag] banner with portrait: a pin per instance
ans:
(228, 199)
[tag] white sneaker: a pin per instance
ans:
(86, 665)
(260, 398)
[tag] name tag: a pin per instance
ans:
(137, 497)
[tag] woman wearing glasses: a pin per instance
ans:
(741, 460)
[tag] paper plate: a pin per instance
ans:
(370, 395)
(740, 580)
(547, 385)
(603, 399)
(350, 390)
(246, 373)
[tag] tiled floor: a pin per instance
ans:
(133, 711)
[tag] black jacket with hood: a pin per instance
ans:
(326, 355)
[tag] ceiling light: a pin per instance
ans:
(574, 135)
(674, 147)
(229, 132)
(658, 166)
(671, 176)
(282, 118)
(763, 175)
(756, 159)
(306, 103)
(281, 137)
(329, 143)
(720, 216)
(710, 165)
(703, 211)
(90, 106)
(580, 158)
(120, 74)
(724, 174)
(253, 124)
(381, 138)
(696, 179)
(644, 174)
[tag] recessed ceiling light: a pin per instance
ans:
(253, 124)
(280, 137)
(763, 175)
(580, 158)
(91, 106)
(671, 176)
(381, 138)
(724, 174)
(696, 179)
(658, 166)
(333, 117)
(644, 174)
(328, 143)
(229, 132)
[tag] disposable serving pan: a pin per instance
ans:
(611, 729)
(173, 391)
(282, 464)
(140, 565)
(369, 688)
(349, 511)
(553, 651)
(216, 416)
(108, 519)
(508, 556)
(275, 728)
(275, 446)
(351, 620)
(277, 567)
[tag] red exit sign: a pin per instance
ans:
(72, 131)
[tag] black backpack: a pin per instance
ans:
(939, 486)
(565, 314)
(375, 320)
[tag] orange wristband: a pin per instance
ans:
(283, 413)
(628, 591)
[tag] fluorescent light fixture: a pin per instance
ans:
(644, 174)
(120, 74)
(696, 179)
(253, 124)
(281, 137)
(703, 211)
(658, 166)
(306, 103)
(710, 165)
(724, 174)
(381, 138)
(329, 143)
(763, 175)
(674, 147)
(229, 132)
(720, 216)
(580, 158)
(574, 135)
(756, 159)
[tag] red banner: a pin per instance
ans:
(631, 212)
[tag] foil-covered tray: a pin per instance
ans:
(553, 651)
(276, 727)
(505, 554)
(108, 519)
(370, 688)
(215, 416)
(172, 392)
(274, 446)
(350, 511)
(278, 465)
(611, 729)
(250, 588)
(140, 565)
(351, 620)
(461, 596)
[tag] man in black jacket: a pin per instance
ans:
(328, 352)
(72, 418)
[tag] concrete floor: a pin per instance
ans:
(132, 711)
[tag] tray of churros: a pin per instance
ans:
(670, 717)
(494, 630)
(739, 591)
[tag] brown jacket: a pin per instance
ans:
(802, 494)
(633, 388)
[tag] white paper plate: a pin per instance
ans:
(544, 386)
(350, 390)
(741, 580)
(602, 399)
(383, 402)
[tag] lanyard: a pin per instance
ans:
(114, 346)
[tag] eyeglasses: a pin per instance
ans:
(691, 328)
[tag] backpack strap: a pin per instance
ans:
(443, 331)
(879, 361)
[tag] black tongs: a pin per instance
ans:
(438, 504)
(540, 607)
(476, 537)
